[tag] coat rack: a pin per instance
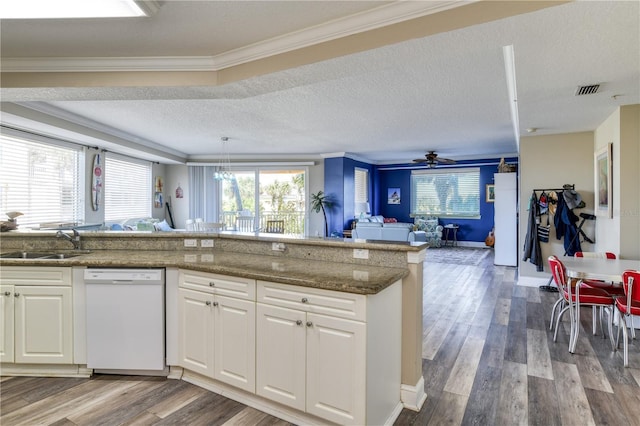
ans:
(566, 187)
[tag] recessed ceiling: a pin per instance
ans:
(445, 92)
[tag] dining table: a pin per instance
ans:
(586, 268)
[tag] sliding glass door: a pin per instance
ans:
(253, 199)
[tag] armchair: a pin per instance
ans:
(431, 228)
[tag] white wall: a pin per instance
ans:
(158, 170)
(609, 132)
(97, 217)
(178, 176)
(550, 161)
(316, 183)
(621, 233)
(629, 182)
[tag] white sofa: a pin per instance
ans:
(386, 232)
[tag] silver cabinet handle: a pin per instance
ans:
(208, 303)
(309, 323)
(7, 293)
(212, 284)
(305, 300)
(299, 322)
(215, 303)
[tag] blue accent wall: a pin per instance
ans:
(339, 180)
(339, 176)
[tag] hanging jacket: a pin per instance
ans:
(532, 249)
(565, 222)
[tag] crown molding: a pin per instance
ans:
(110, 64)
(348, 155)
(382, 16)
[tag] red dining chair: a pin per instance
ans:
(574, 292)
(613, 290)
(627, 306)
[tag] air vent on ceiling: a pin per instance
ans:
(587, 90)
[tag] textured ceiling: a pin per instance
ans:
(446, 92)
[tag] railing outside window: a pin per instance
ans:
(293, 221)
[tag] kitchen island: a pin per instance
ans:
(330, 265)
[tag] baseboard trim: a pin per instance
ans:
(45, 370)
(474, 244)
(532, 281)
(413, 397)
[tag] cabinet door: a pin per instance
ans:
(6, 327)
(336, 369)
(235, 342)
(43, 325)
(195, 322)
(280, 355)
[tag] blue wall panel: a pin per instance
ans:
(339, 179)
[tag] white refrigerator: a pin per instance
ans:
(506, 219)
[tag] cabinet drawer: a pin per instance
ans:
(224, 285)
(334, 303)
(32, 275)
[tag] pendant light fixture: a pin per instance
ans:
(224, 165)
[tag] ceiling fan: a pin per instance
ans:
(432, 159)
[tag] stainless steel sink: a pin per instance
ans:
(43, 255)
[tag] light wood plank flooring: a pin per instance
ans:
(488, 359)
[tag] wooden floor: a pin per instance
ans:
(489, 359)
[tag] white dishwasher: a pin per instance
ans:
(125, 321)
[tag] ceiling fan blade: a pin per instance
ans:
(420, 160)
(445, 160)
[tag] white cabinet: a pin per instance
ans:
(331, 354)
(216, 332)
(196, 331)
(7, 328)
(41, 330)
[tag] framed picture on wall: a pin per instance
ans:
(603, 184)
(393, 195)
(490, 193)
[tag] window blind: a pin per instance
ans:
(127, 188)
(361, 182)
(451, 192)
(40, 179)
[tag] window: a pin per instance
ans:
(453, 193)
(40, 178)
(361, 190)
(127, 188)
(276, 194)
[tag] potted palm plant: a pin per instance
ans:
(322, 202)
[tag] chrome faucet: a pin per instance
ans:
(75, 240)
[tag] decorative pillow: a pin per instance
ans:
(420, 223)
(426, 223)
(163, 226)
(390, 220)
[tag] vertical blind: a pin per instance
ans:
(40, 179)
(446, 192)
(361, 179)
(127, 188)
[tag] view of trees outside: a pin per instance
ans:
(280, 196)
(447, 194)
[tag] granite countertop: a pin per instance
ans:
(360, 279)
